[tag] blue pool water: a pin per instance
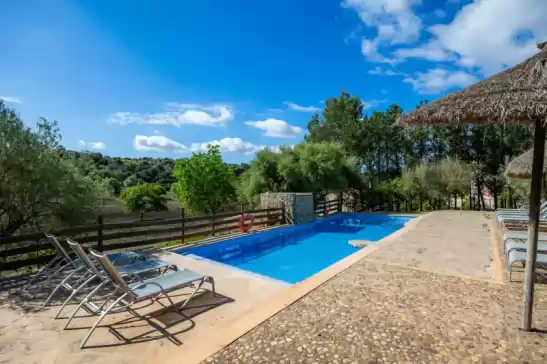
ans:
(294, 253)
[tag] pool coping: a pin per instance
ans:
(200, 348)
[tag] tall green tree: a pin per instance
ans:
(204, 183)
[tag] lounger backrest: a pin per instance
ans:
(80, 252)
(110, 269)
(58, 247)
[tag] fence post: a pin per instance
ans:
(283, 219)
(182, 225)
(340, 203)
(100, 233)
(325, 207)
(213, 227)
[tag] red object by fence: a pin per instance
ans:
(243, 227)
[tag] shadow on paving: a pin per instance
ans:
(157, 323)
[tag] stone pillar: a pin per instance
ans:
(298, 206)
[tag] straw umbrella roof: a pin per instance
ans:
(521, 166)
(518, 94)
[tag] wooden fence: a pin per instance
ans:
(27, 250)
(325, 208)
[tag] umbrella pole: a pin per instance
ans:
(533, 228)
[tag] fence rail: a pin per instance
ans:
(20, 251)
(325, 208)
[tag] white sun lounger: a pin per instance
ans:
(521, 245)
(520, 218)
(519, 211)
(521, 236)
(516, 256)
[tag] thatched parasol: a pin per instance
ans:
(518, 95)
(521, 166)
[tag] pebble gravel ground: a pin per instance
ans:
(377, 313)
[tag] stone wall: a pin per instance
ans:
(299, 207)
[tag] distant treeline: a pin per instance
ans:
(120, 172)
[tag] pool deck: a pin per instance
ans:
(433, 244)
(32, 335)
(433, 292)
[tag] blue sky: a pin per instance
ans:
(165, 78)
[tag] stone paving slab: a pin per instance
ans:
(379, 313)
(451, 242)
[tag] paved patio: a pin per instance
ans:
(30, 334)
(450, 242)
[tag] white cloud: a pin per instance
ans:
(438, 80)
(11, 99)
(378, 71)
(432, 51)
(301, 108)
(179, 114)
(488, 34)
(228, 145)
(276, 128)
(369, 49)
(394, 20)
(158, 143)
(372, 103)
(92, 145)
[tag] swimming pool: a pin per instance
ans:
(294, 253)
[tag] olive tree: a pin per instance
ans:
(40, 186)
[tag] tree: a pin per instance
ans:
(204, 182)
(40, 186)
(308, 167)
(143, 198)
(439, 181)
(131, 181)
(114, 185)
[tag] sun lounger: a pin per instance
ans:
(157, 287)
(80, 271)
(519, 211)
(64, 263)
(516, 256)
(94, 273)
(521, 245)
(521, 236)
(519, 218)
